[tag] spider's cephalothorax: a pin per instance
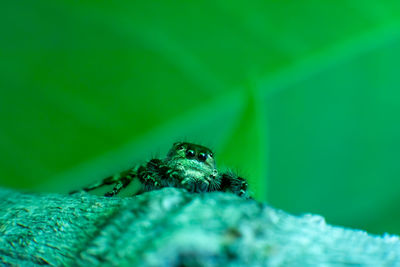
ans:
(187, 165)
(193, 167)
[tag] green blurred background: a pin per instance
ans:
(300, 97)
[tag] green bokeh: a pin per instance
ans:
(300, 97)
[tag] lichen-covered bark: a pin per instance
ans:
(171, 227)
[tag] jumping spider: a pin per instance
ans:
(187, 165)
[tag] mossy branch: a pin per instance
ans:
(172, 227)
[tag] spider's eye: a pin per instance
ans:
(202, 156)
(190, 153)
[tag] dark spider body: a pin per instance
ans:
(187, 165)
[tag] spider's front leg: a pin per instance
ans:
(231, 182)
(152, 176)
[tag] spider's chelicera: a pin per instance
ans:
(187, 165)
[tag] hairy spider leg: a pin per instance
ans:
(150, 175)
(124, 179)
(234, 184)
(106, 181)
(243, 187)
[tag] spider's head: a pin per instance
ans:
(194, 166)
(192, 152)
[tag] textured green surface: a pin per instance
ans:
(301, 97)
(171, 227)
